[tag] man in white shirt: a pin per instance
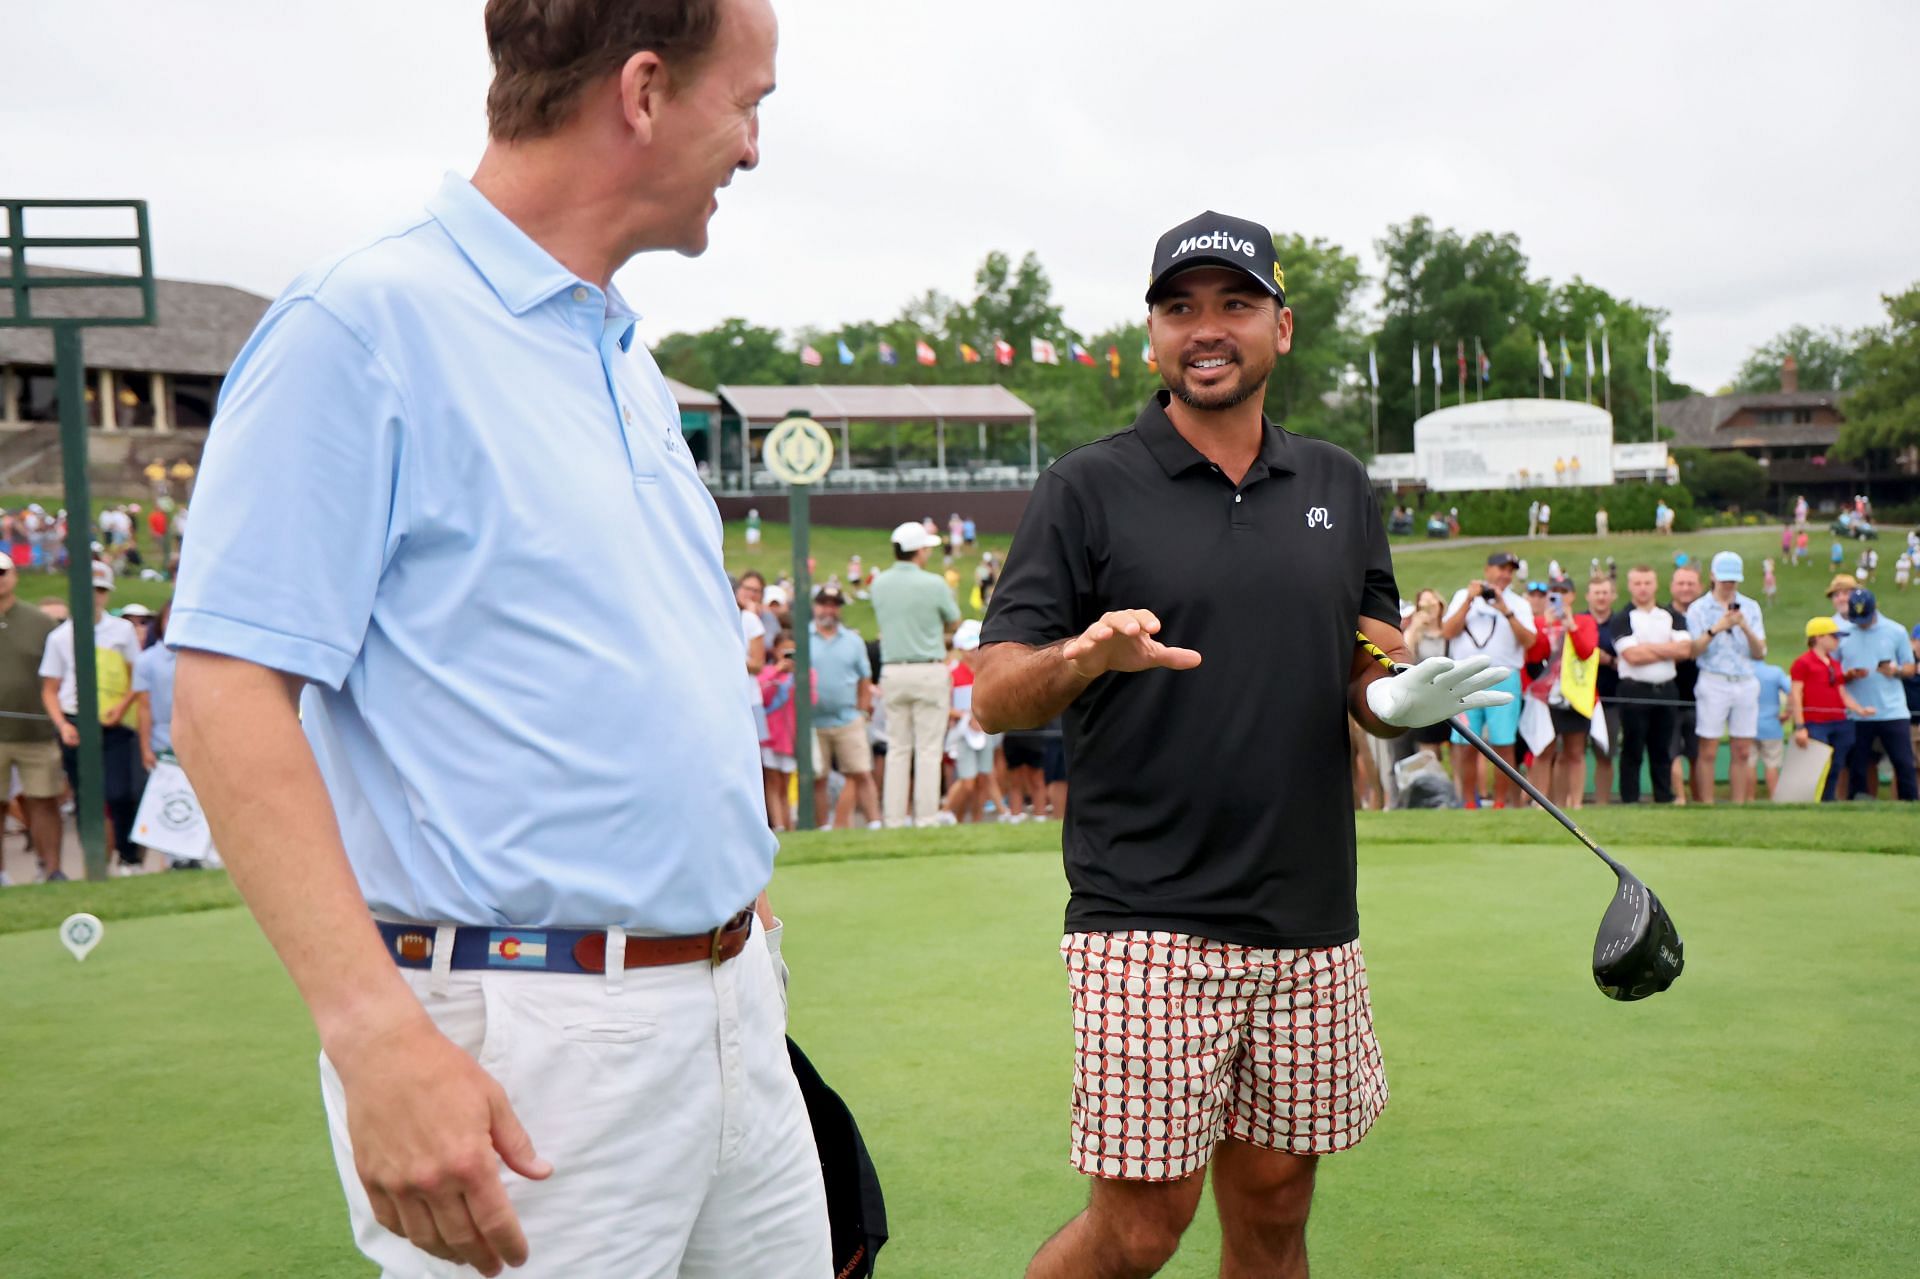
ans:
(1487, 616)
(1648, 640)
(1728, 633)
(116, 648)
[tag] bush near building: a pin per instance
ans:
(1503, 512)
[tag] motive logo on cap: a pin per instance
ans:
(1218, 240)
(517, 950)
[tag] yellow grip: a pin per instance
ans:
(1379, 655)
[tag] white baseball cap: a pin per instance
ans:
(912, 537)
(774, 595)
(102, 576)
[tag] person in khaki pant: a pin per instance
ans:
(917, 614)
(26, 736)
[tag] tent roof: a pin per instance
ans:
(765, 405)
(692, 397)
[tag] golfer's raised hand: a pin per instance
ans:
(427, 1123)
(1124, 641)
(1437, 689)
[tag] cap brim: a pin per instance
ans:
(1212, 259)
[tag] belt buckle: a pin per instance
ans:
(713, 950)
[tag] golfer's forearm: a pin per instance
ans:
(1017, 686)
(1367, 668)
(237, 733)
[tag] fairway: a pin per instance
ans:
(160, 1115)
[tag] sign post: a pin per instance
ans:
(70, 376)
(799, 452)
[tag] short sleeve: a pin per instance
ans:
(55, 658)
(300, 503)
(949, 608)
(1380, 594)
(1046, 593)
(1696, 619)
(1453, 605)
(143, 673)
(751, 627)
(1759, 623)
(864, 663)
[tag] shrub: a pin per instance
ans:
(1503, 512)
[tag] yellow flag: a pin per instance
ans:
(976, 601)
(1579, 681)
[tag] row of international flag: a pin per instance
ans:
(1040, 351)
(1483, 363)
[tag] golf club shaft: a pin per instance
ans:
(1520, 779)
(1515, 775)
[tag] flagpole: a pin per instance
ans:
(1586, 341)
(1540, 371)
(1653, 390)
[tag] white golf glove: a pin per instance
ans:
(1437, 689)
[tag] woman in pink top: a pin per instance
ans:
(777, 762)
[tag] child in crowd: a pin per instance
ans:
(777, 762)
(1768, 585)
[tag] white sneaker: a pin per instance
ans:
(876, 825)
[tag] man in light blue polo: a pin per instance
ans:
(1728, 633)
(448, 518)
(1877, 656)
(843, 699)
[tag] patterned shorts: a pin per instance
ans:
(1180, 1041)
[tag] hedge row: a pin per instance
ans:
(1503, 512)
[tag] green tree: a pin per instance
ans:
(1315, 388)
(1884, 413)
(732, 352)
(1828, 360)
(1722, 477)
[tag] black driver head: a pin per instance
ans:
(1638, 950)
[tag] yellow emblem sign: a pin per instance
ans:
(798, 451)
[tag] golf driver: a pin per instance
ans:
(1637, 951)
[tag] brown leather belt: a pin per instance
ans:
(716, 947)
(561, 950)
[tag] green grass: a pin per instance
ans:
(160, 1114)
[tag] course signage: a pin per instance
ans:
(798, 451)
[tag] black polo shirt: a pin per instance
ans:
(1216, 801)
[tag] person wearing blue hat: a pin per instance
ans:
(1728, 633)
(1877, 655)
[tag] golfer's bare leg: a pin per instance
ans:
(1263, 1197)
(1128, 1231)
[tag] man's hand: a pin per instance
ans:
(149, 760)
(69, 735)
(1123, 641)
(1437, 689)
(1801, 737)
(426, 1123)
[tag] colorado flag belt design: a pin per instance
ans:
(517, 950)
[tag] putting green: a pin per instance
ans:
(160, 1117)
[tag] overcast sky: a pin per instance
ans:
(1745, 165)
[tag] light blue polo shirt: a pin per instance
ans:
(445, 486)
(1864, 648)
(1726, 653)
(839, 664)
(153, 675)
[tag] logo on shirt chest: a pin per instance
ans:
(1319, 517)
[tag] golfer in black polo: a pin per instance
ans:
(1187, 591)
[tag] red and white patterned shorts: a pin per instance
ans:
(1180, 1041)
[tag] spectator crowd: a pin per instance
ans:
(1650, 689)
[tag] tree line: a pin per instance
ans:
(1438, 286)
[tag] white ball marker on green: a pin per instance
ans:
(80, 934)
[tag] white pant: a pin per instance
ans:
(679, 1140)
(1723, 705)
(917, 695)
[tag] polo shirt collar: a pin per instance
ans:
(1176, 456)
(520, 272)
